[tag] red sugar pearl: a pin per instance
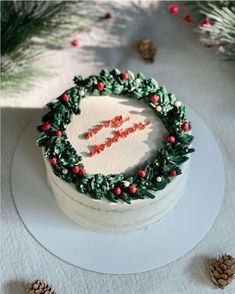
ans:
(65, 98)
(58, 133)
(132, 189)
(117, 191)
(155, 99)
(185, 127)
(205, 22)
(100, 86)
(125, 76)
(46, 127)
(171, 139)
(75, 43)
(82, 171)
(76, 169)
(142, 173)
(174, 9)
(172, 173)
(188, 18)
(53, 161)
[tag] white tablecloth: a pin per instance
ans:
(187, 68)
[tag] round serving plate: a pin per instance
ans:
(122, 253)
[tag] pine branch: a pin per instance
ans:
(221, 32)
(51, 21)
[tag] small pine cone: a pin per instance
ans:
(41, 287)
(222, 270)
(146, 50)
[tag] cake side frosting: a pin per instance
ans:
(108, 217)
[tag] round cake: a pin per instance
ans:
(115, 149)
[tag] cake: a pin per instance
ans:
(116, 149)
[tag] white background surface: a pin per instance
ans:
(197, 76)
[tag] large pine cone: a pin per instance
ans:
(222, 270)
(41, 287)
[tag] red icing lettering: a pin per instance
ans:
(118, 134)
(115, 122)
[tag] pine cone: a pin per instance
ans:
(41, 287)
(222, 270)
(146, 50)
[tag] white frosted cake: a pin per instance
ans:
(119, 164)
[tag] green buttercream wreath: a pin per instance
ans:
(67, 163)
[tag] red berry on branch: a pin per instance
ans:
(185, 127)
(142, 173)
(174, 9)
(125, 76)
(117, 191)
(132, 189)
(108, 15)
(82, 171)
(172, 173)
(171, 139)
(65, 98)
(206, 22)
(100, 86)
(46, 127)
(53, 161)
(76, 169)
(58, 133)
(188, 18)
(155, 99)
(75, 43)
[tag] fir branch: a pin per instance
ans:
(221, 32)
(18, 82)
(22, 21)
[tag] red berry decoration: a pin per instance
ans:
(142, 173)
(171, 139)
(58, 133)
(188, 18)
(100, 86)
(75, 43)
(185, 127)
(76, 169)
(117, 191)
(125, 76)
(155, 99)
(172, 173)
(53, 161)
(46, 127)
(65, 98)
(108, 15)
(174, 9)
(132, 189)
(206, 22)
(82, 171)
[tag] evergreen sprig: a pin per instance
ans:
(221, 32)
(50, 21)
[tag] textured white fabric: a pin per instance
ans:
(186, 67)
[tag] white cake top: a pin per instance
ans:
(128, 154)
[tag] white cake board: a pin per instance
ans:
(120, 254)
